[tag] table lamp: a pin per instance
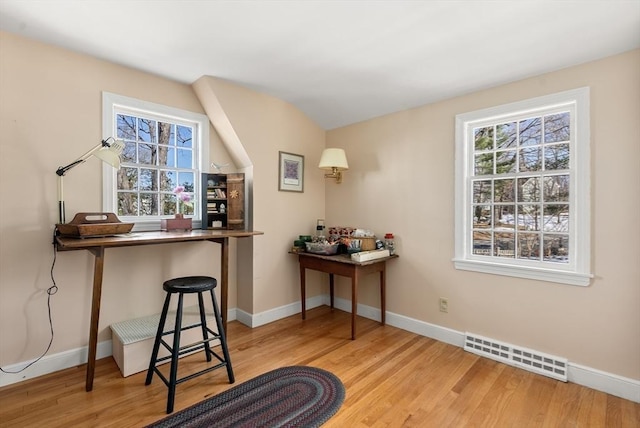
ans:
(108, 150)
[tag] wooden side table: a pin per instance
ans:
(343, 265)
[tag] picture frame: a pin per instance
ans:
(290, 172)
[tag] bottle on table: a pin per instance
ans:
(389, 243)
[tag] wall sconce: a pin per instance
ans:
(334, 160)
(108, 151)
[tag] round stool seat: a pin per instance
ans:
(190, 284)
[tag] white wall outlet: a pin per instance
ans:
(444, 305)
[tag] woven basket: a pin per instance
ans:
(368, 243)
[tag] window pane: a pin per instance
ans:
(148, 179)
(483, 138)
(148, 204)
(127, 203)
(168, 181)
(129, 152)
(556, 128)
(482, 243)
(147, 154)
(185, 136)
(530, 159)
(529, 246)
(504, 216)
(168, 204)
(556, 157)
(506, 135)
(529, 189)
(556, 188)
(482, 216)
(166, 133)
(481, 191)
(126, 127)
(127, 178)
(167, 156)
(186, 179)
(505, 244)
(147, 130)
(504, 190)
(185, 158)
(530, 131)
(556, 218)
(529, 217)
(506, 162)
(484, 163)
(556, 248)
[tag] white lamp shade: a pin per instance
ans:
(333, 158)
(108, 156)
(111, 153)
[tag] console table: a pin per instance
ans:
(343, 265)
(97, 245)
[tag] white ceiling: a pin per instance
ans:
(340, 62)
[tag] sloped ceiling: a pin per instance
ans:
(340, 62)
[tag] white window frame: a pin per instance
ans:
(112, 103)
(577, 271)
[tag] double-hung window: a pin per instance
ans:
(522, 189)
(165, 151)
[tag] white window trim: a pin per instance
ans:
(109, 104)
(578, 271)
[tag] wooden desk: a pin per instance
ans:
(96, 246)
(343, 265)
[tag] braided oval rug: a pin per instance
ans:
(296, 396)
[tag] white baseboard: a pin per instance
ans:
(609, 383)
(53, 363)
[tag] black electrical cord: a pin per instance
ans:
(50, 292)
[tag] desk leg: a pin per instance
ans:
(383, 292)
(98, 268)
(354, 303)
(331, 288)
(303, 286)
(224, 280)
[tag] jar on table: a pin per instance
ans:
(389, 243)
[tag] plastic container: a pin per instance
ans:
(322, 248)
(389, 243)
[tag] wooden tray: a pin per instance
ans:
(86, 225)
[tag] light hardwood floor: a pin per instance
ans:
(393, 378)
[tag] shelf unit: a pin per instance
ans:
(223, 201)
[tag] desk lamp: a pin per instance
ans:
(334, 160)
(108, 150)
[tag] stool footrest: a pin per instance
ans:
(191, 376)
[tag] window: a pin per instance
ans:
(164, 148)
(522, 189)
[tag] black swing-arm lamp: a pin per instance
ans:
(108, 150)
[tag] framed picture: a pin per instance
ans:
(291, 172)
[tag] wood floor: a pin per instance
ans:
(393, 378)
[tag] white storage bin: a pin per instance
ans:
(132, 340)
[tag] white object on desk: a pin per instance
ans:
(365, 256)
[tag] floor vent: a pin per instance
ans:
(534, 361)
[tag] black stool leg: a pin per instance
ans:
(223, 340)
(156, 344)
(175, 354)
(203, 323)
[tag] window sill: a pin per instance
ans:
(562, 277)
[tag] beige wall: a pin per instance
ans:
(50, 114)
(401, 180)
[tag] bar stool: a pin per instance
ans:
(182, 286)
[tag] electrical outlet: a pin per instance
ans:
(444, 305)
